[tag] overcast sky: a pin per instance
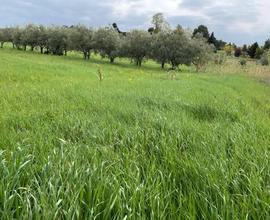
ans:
(239, 21)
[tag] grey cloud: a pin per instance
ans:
(218, 17)
(194, 4)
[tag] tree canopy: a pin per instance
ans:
(165, 45)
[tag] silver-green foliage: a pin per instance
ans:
(136, 45)
(172, 46)
(107, 42)
(265, 58)
(176, 47)
(200, 51)
(80, 38)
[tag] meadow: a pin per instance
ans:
(136, 145)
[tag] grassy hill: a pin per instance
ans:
(135, 146)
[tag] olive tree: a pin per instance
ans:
(178, 46)
(2, 37)
(30, 35)
(136, 46)
(107, 43)
(159, 47)
(80, 38)
(17, 38)
(200, 51)
(57, 40)
(42, 40)
(174, 47)
(5, 36)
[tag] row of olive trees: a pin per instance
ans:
(168, 46)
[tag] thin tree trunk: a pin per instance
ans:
(41, 50)
(84, 55)
(32, 48)
(140, 63)
(162, 65)
(111, 59)
(173, 65)
(2, 44)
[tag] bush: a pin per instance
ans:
(243, 62)
(264, 60)
(228, 49)
(220, 58)
(238, 52)
(259, 53)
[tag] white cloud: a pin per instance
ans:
(235, 15)
(125, 8)
(237, 20)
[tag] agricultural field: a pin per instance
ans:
(138, 144)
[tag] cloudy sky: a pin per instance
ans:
(239, 21)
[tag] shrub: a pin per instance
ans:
(220, 58)
(243, 62)
(259, 53)
(264, 60)
(228, 49)
(238, 52)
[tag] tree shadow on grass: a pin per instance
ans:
(207, 113)
(202, 112)
(126, 64)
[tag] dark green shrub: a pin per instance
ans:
(238, 52)
(243, 62)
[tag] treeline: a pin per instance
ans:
(211, 39)
(253, 51)
(174, 46)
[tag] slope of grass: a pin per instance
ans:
(134, 146)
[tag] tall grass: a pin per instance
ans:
(136, 146)
(252, 68)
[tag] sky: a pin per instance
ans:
(238, 21)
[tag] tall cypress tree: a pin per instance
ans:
(252, 50)
(212, 39)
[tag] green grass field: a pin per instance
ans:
(135, 146)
